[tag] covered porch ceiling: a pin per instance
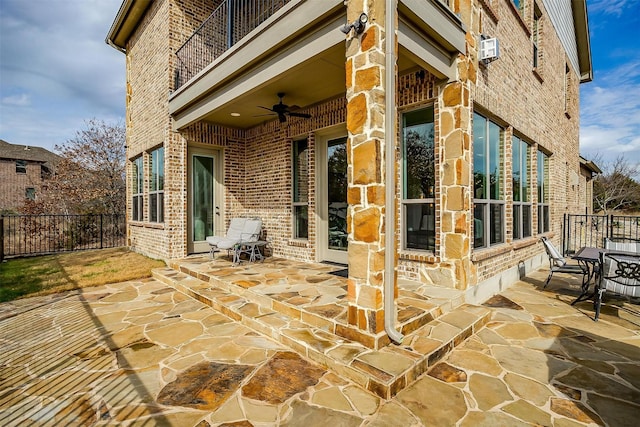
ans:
(321, 78)
(306, 64)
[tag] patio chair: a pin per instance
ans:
(620, 274)
(241, 231)
(622, 246)
(558, 264)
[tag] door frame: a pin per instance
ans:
(323, 253)
(218, 198)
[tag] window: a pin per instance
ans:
(156, 190)
(519, 4)
(488, 187)
(418, 187)
(21, 166)
(521, 161)
(301, 189)
(537, 16)
(30, 193)
(543, 192)
(136, 208)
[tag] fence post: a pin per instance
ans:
(610, 228)
(566, 234)
(1, 238)
(101, 230)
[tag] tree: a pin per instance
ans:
(615, 188)
(90, 177)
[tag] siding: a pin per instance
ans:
(561, 16)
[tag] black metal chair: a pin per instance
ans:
(620, 274)
(558, 264)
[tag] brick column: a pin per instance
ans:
(365, 68)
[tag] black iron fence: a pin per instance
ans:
(592, 230)
(43, 234)
(229, 23)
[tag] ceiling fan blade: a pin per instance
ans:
(264, 115)
(268, 109)
(282, 118)
(305, 115)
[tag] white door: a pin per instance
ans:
(332, 197)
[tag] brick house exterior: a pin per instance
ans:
(465, 162)
(24, 171)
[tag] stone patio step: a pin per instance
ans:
(308, 292)
(384, 371)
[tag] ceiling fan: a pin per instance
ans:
(283, 110)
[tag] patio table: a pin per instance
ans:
(590, 259)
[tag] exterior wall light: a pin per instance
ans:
(358, 25)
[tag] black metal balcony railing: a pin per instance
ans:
(43, 234)
(229, 23)
(591, 230)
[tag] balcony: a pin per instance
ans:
(230, 22)
(247, 51)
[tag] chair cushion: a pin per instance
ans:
(226, 243)
(251, 230)
(213, 240)
(236, 228)
(621, 274)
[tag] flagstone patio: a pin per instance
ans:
(142, 353)
(303, 306)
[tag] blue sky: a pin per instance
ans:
(56, 72)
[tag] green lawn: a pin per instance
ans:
(49, 274)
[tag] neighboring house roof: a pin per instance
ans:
(27, 152)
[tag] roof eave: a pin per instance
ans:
(126, 21)
(581, 23)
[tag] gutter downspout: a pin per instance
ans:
(390, 173)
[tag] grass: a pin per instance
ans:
(50, 274)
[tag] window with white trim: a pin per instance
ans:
(418, 183)
(543, 192)
(521, 163)
(156, 189)
(137, 189)
(300, 203)
(488, 178)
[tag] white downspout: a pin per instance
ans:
(390, 177)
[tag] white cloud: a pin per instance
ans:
(55, 52)
(21, 100)
(610, 113)
(610, 7)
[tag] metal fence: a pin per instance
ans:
(229, 23)
(592, 230)
(44, 234)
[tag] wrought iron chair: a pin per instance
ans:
(558, 264)
(620, 274)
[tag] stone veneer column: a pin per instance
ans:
(455, 123)
(365, 67)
